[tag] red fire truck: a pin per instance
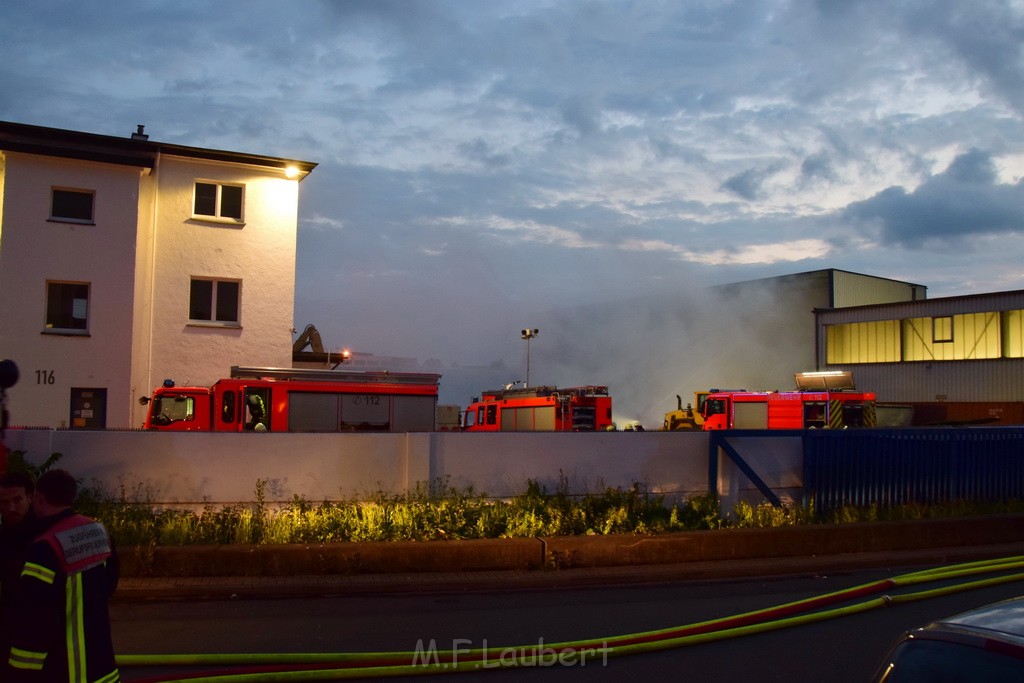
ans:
(296, 400)
(824, 400)
(540, 409)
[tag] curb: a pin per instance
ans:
(332, 585)
(569, 552)
(788, 542)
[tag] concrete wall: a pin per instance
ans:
(189, 470)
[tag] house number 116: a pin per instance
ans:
(44, 377)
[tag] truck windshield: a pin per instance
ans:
(715, 406)
(168, 409)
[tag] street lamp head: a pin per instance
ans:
(530, 333)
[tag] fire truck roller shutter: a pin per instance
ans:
(835, 414)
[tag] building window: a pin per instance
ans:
(942, 329)
(965, 336)
(67, 307)
(1013, 334)
(867, 342)
(217, 200)
(214, 301)
(75, 206)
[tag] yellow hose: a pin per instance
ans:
(339, 666)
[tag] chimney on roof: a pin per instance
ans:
(138, 134)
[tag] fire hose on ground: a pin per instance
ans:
(244, 668)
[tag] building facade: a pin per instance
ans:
(775, 319)
(125, 262)
(946, 361)
(956, 360)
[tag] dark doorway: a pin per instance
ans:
(88, 408)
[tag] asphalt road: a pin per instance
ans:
(844, 649)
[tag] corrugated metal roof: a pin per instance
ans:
(854, 289)
(972, 303)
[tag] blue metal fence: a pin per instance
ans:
(892, 467)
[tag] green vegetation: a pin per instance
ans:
(445, 512)
(441, 511)
(434, 512)
(16, 462)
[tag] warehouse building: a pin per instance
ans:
(954, 360)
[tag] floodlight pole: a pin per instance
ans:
(528, 334)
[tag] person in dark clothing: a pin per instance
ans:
(63, 591)
(16, 490)
(257, 413)
(17, 526)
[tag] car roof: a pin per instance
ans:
(1003, 619)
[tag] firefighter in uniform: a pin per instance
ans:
(257, 413)
(61, 605)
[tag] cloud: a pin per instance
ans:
(526, 231)
(746, 184)
(989, 42)
(775, 252)
(817, 166)
(320, 222)
(966, 199)
(750, 184)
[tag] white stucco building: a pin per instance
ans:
(125, 261)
